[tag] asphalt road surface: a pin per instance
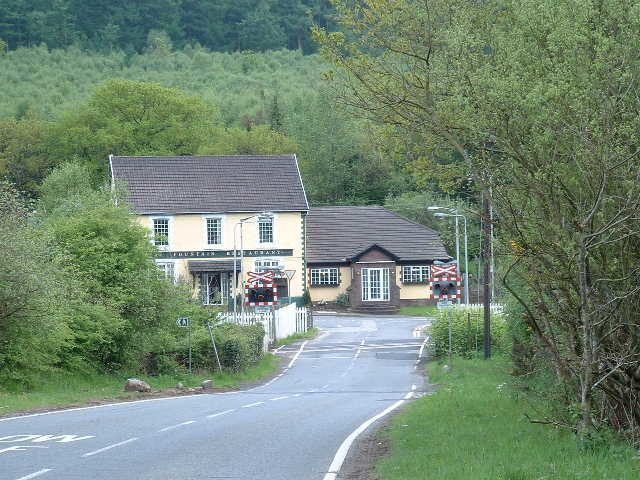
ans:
(291, 428)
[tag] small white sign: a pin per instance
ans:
(183, 322)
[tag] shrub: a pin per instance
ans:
(466, 331)
(343, 300)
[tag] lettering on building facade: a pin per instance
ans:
(270, 252)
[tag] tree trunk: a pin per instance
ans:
(587, 321)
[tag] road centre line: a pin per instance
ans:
(296, 395)
(252, 405)
(279, 398)
(341, 454)
(166, 429)
(213, 415)
(109, 447)
(35, 474)
(293, 360)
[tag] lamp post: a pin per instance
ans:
(241, 222)
(454, 213)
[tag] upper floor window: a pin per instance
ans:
(325, 276)
(265, 229)
(214, 231)
(265, 264)
(415, 274)
(161, 232)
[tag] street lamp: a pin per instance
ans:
(261, 216)
(454, 213)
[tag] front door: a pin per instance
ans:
(214, 287)
(375, 284)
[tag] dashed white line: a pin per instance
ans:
(279, 398)
(213, 415)
(252, 405)
(35, 474)
(296, 394)
(325, 386)
(166, 429)
(109, 447)
(293, 360)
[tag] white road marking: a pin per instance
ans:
(166, 429)
(326, 357)
(422, 347)
(252, 405)
(19, 448)
(293, 360)
(279, 398)
(221, 413)
(109, 447)
(413, 388)
(296, 394)
(341, 454)
(325, 386)
(35, 474)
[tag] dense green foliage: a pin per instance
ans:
(535, 105)
(466, 326)
(475, 425)
(151, 24)
(80, 292)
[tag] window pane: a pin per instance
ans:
(265, 230)
(214, 231)
(161, 231)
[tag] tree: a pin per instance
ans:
(538, 101)
(133, 118)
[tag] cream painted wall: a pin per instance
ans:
(411, 291)
(188, 232)
(330, 294)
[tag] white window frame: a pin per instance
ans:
(416, 274)
(264, 264)
(162, 264)
(325, 277)
(169, 232)
(224, 288)
(273, 231)
(205, 221)
(384, 281)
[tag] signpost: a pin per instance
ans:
(186, 322)
(289, 274)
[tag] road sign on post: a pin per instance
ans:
(186, 322)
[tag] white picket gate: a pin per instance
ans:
(279, 324)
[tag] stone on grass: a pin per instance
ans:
(180, 386)
(207, 384)
(136, 385)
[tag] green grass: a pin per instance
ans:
(474, 428)
(419, 310)
(311, 333)
(59, 390)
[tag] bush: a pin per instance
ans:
(239, 346)
(467, 327)
(343, 300)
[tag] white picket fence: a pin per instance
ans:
(495, 307)
(279, 324)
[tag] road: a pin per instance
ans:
(290, 428)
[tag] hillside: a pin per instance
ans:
(49, 82)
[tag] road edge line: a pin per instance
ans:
(35, 474)
(295, 357)
(343, 449)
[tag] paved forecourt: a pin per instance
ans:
(292, 427)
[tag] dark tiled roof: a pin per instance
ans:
(219, 184)
(337, 234)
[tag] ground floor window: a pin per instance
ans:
(214, 287)
(415, 274)
(324, 276)
(169, 270)
(375, 284)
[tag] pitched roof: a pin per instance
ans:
(211, 184)
(338, 234)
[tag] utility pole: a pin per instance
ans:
(486, 278)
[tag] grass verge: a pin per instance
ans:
(419, 310)
(311, 333)
(474, 428)
(65, 389)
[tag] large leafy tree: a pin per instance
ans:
(133, 118)
(538, 102)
